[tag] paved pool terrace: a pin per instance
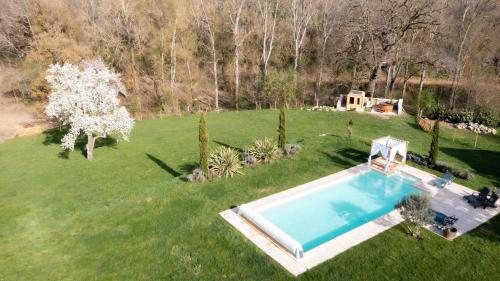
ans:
(448, 200)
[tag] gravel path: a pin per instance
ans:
(14, 116)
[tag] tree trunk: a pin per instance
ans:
(372, 83)
(320, 75)
(173, 56)
(190, 83)
(173, 67)
(354, 77)
(90, 146)
(216, 82)
(405, 80)
(459, 61)
(236, 76)
(388, 81)
(454, 86)
(420, 88)
(394, 76)
(162, 59)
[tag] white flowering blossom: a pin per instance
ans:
(86, 99)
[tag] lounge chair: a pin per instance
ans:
(478, 199)
(490, 202)
(442, 221)
(444, 180)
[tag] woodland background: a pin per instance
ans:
(181, 56)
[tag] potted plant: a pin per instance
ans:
(450, 232)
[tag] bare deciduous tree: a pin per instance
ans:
(327, 20)
(239, 35)
(205, 15)
(267, 24)
(469, 11)
(301, 11)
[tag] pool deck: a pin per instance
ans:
(448, 200)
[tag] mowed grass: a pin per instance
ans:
(130, 215)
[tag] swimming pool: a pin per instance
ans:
(325, 213)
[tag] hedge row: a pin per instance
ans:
(440, 112)
(439, 166)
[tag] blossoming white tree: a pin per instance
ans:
(86, 99)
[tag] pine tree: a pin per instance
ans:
(281, 129)
(203, 143)
(434, 150)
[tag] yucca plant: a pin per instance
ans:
(225, 162)
(265, 150)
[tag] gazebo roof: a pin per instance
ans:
(389, 141)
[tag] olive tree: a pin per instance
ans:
(415, 209)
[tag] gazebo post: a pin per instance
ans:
(404, 158)
(387, 162)
(370, 157)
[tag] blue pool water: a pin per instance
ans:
(322, 215)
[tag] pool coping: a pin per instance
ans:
(360, 234)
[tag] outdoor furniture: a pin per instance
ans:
(479, 199)
(444, 180)
(490, 202)
(442, 221)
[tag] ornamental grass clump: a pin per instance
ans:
(265, 150)
(225, 162)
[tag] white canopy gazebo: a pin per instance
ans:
(389, 148)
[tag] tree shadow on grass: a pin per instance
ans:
(187, 168)
(163, 165)
(55, 135)
(347, 157)
(228, 146)
(482, 161)
(415, 126)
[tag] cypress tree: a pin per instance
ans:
(203, 143)
(281, 129)
(434, 150)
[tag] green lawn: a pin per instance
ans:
(129, 215)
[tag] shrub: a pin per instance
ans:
(281, 129)
(464, 116)
(438, 166)
(203, 143)
(265, 150)
(196, 175)
(415, 209)
(439, 112)
(434, 150)
(225, 162)
(426, 102)
(291, 149)
(486, 118)
(279, 88)
(248, 159)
